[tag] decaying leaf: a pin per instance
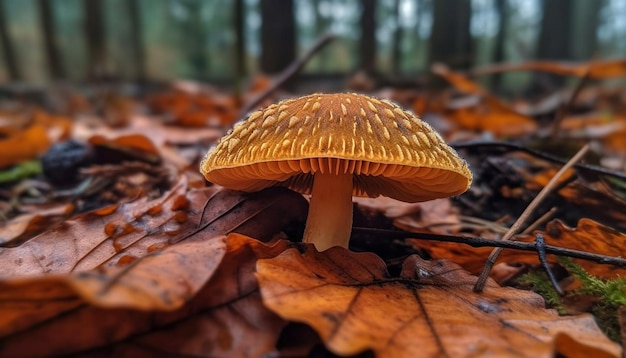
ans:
(27, 225)
(136, 146)
(594, 69)
(489, 113)
(24, 145)
(588, 236)
(224, 318)
(437, 216)
(146, 277)
(124, 256)
(429, 310)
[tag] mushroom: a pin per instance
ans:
(334, 146)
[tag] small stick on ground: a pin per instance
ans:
(491, 260)
(541, 252)
(482, 242)
(582, 167)
(287, 73)
(542, 219)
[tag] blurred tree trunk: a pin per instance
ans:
(556, 26)
(94, 31)
(321, 27)
(368, 36)
(554, 42)
(7, 47)
(278, 35)
(396, 54)
(568, 31)
(583, 37)
(240, 70)
(136, 39)
(498, 52)
(450, 39)
(423, 6)
(46, 17)
(194, 39)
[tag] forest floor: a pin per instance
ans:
(112, 242)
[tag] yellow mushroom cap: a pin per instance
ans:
(388, 150)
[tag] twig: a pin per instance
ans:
(482, 242)
(541, 252)
(495, 227)
(585, 168)
(491, 260)
(287, 73)
(560, 114)
(543, 218)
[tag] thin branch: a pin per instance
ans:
(482, 279)
(585, 168)
(287, 73)
(541, 253)
(482, 242)
(542, 219)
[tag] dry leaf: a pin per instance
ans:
(134, 145)
(116, 254)
(24, 145)
(430, 310)
(165, 257)
(588, 236)
(437, 216)
(489, 113)
(225, 318)
(595, 69)
(25, 226)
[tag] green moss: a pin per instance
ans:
(609, 291)
(540, 283)
(610, 294)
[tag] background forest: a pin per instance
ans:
(222, 40)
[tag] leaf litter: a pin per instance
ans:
(158, 273)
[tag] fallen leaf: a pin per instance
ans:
(488, 113)
(596, 69)
(136, 146)
(437, 216)
(23, 146)
(429, 310)
(25, 226)
(225, 317)
(114, 255)
(589, 236)
(94, 282)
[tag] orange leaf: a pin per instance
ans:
(24, 145)
(134, 144)
(225, 318)
(490, 113)
(25, 226)
(429, 310)
(597, 69)
(588, 236)
(113, 254)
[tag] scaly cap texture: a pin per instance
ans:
(389, 151)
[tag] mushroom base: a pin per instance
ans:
(329, 221)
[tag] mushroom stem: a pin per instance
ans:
(329, 221)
